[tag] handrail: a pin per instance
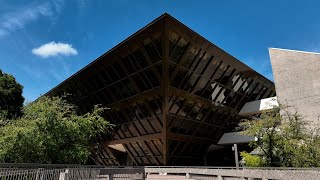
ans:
(234, 168)
(74, 171)
(36, 165)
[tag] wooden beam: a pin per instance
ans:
(165, 85)
(191, 139)
(134, 139)
(123, 103)
(192, 97)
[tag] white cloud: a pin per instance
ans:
(20, 17)
(54, 49)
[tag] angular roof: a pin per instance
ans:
(181, 28)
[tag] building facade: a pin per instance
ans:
(296, 75)
(172, 94)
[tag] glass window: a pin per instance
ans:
(226, 79)
(212, 68)
(256, 91)
(112, 74)
(154, 50)
(105, 97)
(145, 79)
(194, 112)
(105, 76)
(172, 44)
(89, 85)
(141, 60)
(178, 52)
(155, 106)
(101, 80)
(134, 63)
(139, 82)
(190, 57)
(119, 91)
(119, 70)
(130, 114)
(144, 111)
(172, 67)
(159, 68)
(152, 78)
(127, 65)
(180, 76)
(261, 93)
(197, 61)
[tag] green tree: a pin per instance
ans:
(284, 140)
(50, 131)
(11, 99)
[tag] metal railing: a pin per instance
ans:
(203, 172)
(240, 168)
(48, 174)
(68, 172)
(79, 172)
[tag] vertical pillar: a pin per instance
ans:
(235, 146)
(165, 86)
(187, 176)
(205, 158)
(62, 175)
(220, 177)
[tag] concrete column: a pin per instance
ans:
(205, 161)
(220, 177)
(236, 155)
(187, 176)
(62, 175)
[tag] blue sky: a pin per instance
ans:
(44, 42)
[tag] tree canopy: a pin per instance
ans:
(50, 131)
(284, 140)
(11, 99)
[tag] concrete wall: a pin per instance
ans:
(297, 80)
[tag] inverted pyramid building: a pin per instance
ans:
(172, 95)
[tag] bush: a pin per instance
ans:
(50, 131)
(284, 140)
(252, 160)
